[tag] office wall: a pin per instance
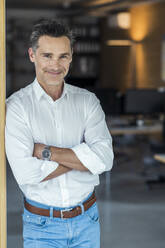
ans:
(115, 61)
(147, 30)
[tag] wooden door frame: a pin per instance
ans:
(3, 212)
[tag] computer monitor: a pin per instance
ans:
(110, 100)
(144, 101)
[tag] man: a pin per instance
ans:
(57, 144)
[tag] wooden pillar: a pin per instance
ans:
(3, 225)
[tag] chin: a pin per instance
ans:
(51, 83)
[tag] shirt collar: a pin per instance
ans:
(39, 91)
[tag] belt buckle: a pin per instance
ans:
(64, 210)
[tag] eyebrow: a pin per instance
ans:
(52, 53)
(46, 53)
(65, 54)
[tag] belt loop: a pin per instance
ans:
(51, 212)
(82, 208)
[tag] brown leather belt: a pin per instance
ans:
(64, 214)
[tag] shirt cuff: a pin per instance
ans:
(89, 158)
(47, 168)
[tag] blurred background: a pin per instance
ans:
(119, 54)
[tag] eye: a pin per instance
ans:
(47, 55)
(64, 56)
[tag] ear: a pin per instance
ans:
(71, 55)
(31, 54)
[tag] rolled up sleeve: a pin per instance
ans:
(19, 146)
(96, 152)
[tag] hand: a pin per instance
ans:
(38, 148)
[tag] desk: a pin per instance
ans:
(161, 177)
(160, 157)
(145, 129)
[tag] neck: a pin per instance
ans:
(54, 91)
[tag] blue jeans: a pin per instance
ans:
(50, 232)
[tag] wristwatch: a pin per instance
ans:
(46, 153)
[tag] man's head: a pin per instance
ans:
(52, 28)
(51, 51)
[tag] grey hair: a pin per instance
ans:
(50, 27)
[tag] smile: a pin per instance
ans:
(54, 73)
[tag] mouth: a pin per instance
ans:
(54, 73)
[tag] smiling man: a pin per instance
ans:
(57, 144)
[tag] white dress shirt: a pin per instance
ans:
(75, 121)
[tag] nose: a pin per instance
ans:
(54, 62)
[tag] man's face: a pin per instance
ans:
(52, 59)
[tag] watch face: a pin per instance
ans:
(46, 154)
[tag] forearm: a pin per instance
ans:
(62, 156)
(61, 169)
(67, 157)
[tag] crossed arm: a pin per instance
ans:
(94, 156)
(65, 157)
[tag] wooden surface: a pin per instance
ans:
(160, 157)
(3, 229)
(145, 130)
